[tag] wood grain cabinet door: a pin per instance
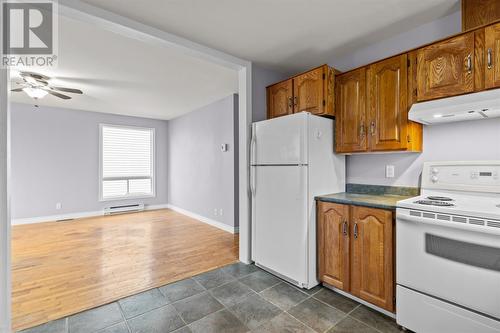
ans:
(446, 68)
(387, 103)
(492, 63)
(350, 112)
(308, 92)
(333, 244)
(279, 99)
(372, 270)
(479, 12)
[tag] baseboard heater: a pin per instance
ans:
(123, 209)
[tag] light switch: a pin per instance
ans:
(389, 171)
(224, 147)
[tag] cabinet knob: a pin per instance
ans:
(488, 59)
(362, 131)
(468, 64)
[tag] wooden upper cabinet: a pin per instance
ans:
(372, 263)
(387, 103)
(279, 99)
(492, 63)
(350, 106)
(446, 68)
(308, 92)
(333, 244)
(476, 13)
(313, 91)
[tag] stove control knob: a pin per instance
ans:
(434, 179)
(434, 171)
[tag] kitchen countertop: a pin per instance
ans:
(384, 199)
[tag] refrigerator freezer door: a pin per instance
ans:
(280, 141)
(279, 216)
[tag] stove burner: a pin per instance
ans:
(438, 198)
(434, 203)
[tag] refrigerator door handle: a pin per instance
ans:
(253, 147)
(252, 180)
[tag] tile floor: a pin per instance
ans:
(234, 298)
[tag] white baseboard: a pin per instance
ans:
(217, 224)
(72, 216)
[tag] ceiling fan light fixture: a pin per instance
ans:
(35, 92)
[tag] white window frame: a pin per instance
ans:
(153, 166)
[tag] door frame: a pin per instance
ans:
(83, 12)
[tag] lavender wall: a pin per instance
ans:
(201, 178)
(55, 158)
(261, 78)
(473, 140)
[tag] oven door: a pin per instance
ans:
(456, 265)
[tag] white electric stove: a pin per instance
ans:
(448, 250)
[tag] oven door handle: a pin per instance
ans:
(450, 224)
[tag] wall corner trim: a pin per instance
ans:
(217, 224)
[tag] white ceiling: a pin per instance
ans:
(287, 35)
(125, 76)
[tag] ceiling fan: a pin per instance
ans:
(37, 86)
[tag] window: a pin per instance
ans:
(127, 162)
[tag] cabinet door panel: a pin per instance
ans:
(387, 102)
(372, 270)
(308, 92)
(350, 111)
(446, 68)
(333, 244)
(479, 12)
(279, 99)
(492, 66)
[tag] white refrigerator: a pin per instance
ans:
(292, 161)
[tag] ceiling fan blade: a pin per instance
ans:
(70, 90)
(17, 89)
(58, 94)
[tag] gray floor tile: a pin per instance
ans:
(336, 300)
(316, 315)
(219, 322)
(213, 278)
(313, 290)
(350, 325)
(254, 311)
(118, 328)
(375, 319)
(161, 320)
(197, 307)
(140, 303)
(184, 329)
(283, 323)
(260, 280)
(95, 319)
(181, 289)
(56, 326)
(284, 295)
(231, 293)
(239, 269)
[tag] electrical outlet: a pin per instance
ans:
(215, 211)
(221, 212)
(58, 205)
(389, 171)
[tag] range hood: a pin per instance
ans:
(480, 105)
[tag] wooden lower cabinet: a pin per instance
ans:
(333, 244)
(372, 267)
(356, 251)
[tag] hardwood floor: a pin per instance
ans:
(61, 268)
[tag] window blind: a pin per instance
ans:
(127, 161)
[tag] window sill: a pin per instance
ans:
(128, 197)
